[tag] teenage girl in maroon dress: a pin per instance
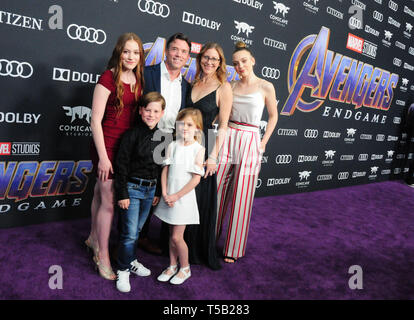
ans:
(113, 112)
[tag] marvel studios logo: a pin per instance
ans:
(19, 148)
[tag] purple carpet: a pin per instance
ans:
(300, 246)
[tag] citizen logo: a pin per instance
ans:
(305, 158)
(274, 44)
(18, 20)
(61, 74)
(347, 157)
(283, 159)
(191, 18)
(243, 27)
(324, 177)
(287, 132)
(393, 22)
(365, 136)
(363, 157)
(377, 156)
(25, 118)
(380, 137)
(378, 16)
(343, 175)
(397, 62)
(396, 120)
(273, 181)
(88, 34)
(400, 45)
(400, 156)
(311, 133)
(393, 5)
(330, 134)
(271, 73)
(386, 171)
(15, 69)
(335, 13)
(359, 4)
(155, 8)
(251, 3)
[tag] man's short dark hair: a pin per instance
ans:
(179, 36)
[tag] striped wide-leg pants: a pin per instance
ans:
(237, 174)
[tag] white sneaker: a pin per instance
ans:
(164, 277)
(122, 281)
(178, 280)
(139, 269)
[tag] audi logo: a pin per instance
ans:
(271, 73)
(393, 5)
(283, 159)
(311, 133)
(15, 69)
(156, 8)
(83, 33)
(377, 16)
(343, 175)
(397, 62)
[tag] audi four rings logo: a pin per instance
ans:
(311, 133)
(83, 33)
(271, 73)
(156, 8)
(343, 175)
(378, 16)
(283, 158)
(15, 69)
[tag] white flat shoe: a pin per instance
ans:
(163, 277)
(178, 280)
(138, 269)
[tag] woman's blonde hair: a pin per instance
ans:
(115, 62)
(221, 71)
(197, 117)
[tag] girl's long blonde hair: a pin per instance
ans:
(197, 117)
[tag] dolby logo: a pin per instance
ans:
(277, 181)
(385, 171)
(67, 75)
(305, 158)
(358, 174)
(330, 134)
(191, 18)
(392, 138)
(251, 3)
(377, 156)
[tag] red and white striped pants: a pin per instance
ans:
(237, 174)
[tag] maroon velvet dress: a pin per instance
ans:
(114, 126)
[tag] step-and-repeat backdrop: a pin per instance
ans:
(343, 73)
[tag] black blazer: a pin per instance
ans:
(152, 78)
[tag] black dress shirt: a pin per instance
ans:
(135, 159)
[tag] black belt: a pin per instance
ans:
(143, 182)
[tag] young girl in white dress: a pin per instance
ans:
(183, 168)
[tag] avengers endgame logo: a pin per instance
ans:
(21, 180)
(345, 79)
(155, 53)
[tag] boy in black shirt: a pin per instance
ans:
(136, 187)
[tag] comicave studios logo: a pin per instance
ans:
(280, 9)
(243, 28)
(77, 114)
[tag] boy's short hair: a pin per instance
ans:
(153, 96)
